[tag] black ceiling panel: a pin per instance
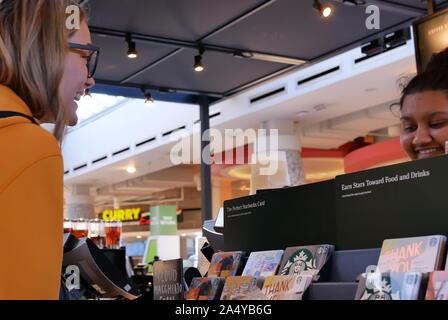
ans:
(114, 63)
(179, 19)
(222, 73)
(169, 33)
(301, 33)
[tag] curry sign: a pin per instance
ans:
(122, 214)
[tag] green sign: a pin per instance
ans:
(163, 221)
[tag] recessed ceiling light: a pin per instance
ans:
(139, 237)
(302, 113)
(131, 169)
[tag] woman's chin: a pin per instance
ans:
(72, 121)
(72, 116)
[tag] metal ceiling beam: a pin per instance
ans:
(206, 178)
(237, 19)
(112, 33)
(261, 80)
(150, 66)
(158, 88)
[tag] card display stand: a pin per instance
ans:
(338, 278)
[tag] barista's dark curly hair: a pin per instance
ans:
(438, 62)
(434, 78)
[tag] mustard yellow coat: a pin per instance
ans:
(31, 206)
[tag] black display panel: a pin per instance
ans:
(398, 201)
(353, 211)
(277, 219)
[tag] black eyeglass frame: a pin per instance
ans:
(92, 50)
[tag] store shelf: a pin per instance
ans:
(331, 291)
(347, 265)
(339, 277)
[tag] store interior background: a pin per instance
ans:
(340, 119)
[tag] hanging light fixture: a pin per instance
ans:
(198, 66)
(132, 51)
(149, 99)
(87, 93)
(324, 9)
(147, 95)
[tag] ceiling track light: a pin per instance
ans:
(148, 97)
(198, 66)
(131, 169)
(324, 9)
(132, 51)
(352, 3)
(87, 93)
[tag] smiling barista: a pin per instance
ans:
(424, 111)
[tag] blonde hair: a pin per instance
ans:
(33, 49)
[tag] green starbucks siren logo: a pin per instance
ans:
(301, 262)
(383, 293)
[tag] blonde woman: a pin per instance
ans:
(44, 69)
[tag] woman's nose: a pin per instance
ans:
(422, 136)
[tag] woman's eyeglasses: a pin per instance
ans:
(92, 54)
